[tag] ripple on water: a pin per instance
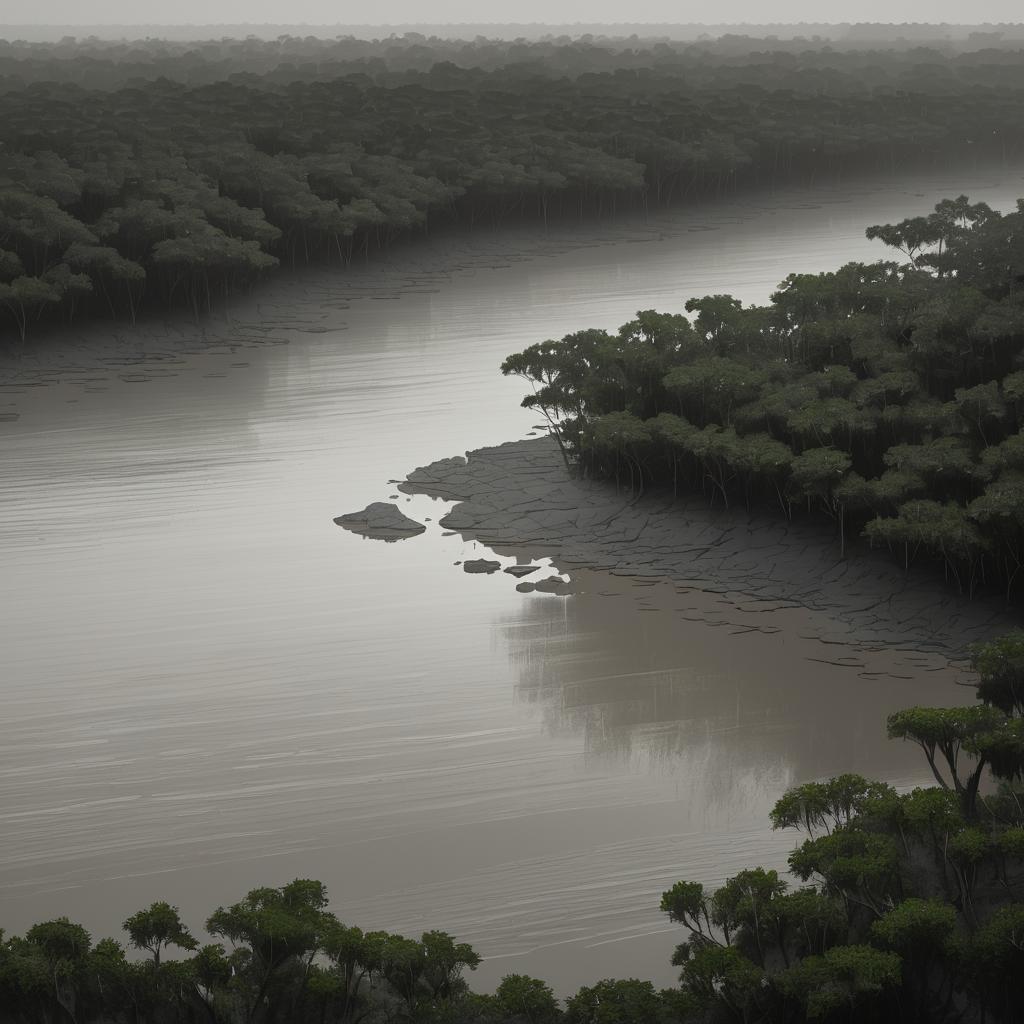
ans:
(208, 686)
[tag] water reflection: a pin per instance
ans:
(630, 666)
(689, 714)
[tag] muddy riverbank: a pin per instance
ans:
(519, 498)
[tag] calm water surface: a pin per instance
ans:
(208, 686)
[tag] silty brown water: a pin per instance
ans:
(208, 686)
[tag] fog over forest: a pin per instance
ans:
(993, 31)
(553, 12)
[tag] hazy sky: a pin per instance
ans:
(84, 12)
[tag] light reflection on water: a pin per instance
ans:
(209, 686)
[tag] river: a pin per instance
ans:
(208, 686)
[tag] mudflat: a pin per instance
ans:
(520, 498)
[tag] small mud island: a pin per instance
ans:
(381, 520)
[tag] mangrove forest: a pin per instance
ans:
(147, 175)
(886, 396)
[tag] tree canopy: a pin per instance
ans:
(886, 396)
(139, 174)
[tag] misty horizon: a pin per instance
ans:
(401, 13)
(870, 32)
(528, 23)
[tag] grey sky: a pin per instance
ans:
(135, 12)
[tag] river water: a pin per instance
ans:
(208, 686)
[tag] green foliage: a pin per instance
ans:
(826, 805)
(275, 924)
(999, 944)
(994, 957)
(808, 921)
(934, 811)
(915, 925)
(719, 974)
(10, 265)
(1002, 748)
(745, 899)
(291, 959)
(210, 968)
(617, 1002)
(618, 431)
(445, 959)
(156, 927)
(527, 999)
(934, 461)
(62, 942)
(846, 978)
(715, 384)
(850, 860)
(946, 733)
(686, 902)
(25, 296)
(969, 846)
(1000, 664)
(815, 472)
(674, 431)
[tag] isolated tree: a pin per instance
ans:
(157, 927)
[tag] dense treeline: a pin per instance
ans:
(888, 396)
(122, 191)
(878, 34)
(290, 960)
(914, 912)
(728, 59)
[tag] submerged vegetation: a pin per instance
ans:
(887, 396)
(912, 909)
(147, 175)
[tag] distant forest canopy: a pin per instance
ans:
(983, 57)
(887, 396)
(126, 185)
